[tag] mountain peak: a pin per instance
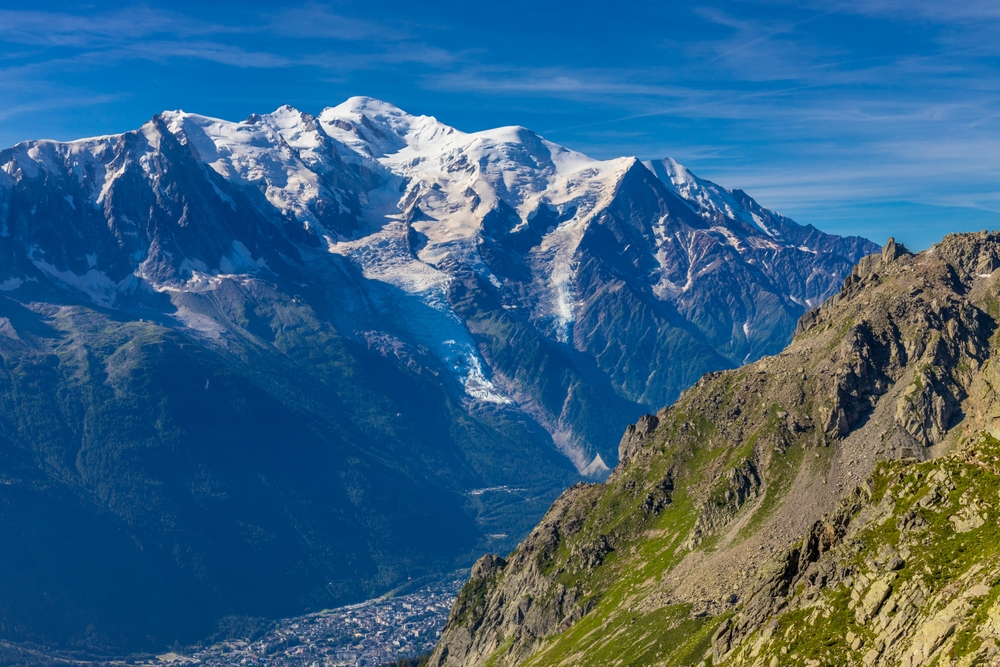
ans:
(361, 104)
(287, 111)
(375, 128)
(711, 201)
(387, 190)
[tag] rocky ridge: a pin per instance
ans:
(828, 505)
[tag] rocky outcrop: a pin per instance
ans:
(635, 435)
(734, 489)
(801, 566)
(834, 504)
(497, 613)
(921, 595)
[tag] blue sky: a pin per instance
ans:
(875, 117)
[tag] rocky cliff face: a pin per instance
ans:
(832, 504)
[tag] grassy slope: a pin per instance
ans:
(813, 422)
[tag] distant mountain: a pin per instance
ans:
(256, 368)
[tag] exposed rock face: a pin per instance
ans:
(919, 595)
(733, 489)
(634, 436)
(535, 604)
(833, 505)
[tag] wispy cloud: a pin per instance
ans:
(161, 35)
(226, 54)
(44, 47)
(97, 30)
(553, 81)
(966, 11)
(78, 99)
(315, 21)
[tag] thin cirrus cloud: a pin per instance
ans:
(147, 33)
(80, 44)
(318, 22)
(225, 54)
(63, 53)
(47, 101)
(967, 11)
(97, 30)
(804, 102)
(594, 84)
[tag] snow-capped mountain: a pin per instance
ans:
(418, 207)
(450, 308)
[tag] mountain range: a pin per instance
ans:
(255, 368)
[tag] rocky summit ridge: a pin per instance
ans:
(834, 504)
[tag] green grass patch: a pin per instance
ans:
(667, 637)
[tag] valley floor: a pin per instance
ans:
(366, 634)
(360, 635)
